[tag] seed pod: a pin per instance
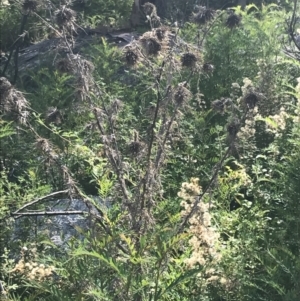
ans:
(131, 57)
(161, 33)
(218, 105)
(233, 21)
(53, 115)
(149, 9)
(188, 60)
(64, 65)
(208, 67)
(233, 128)
(5, 88)
(29, 5)
(203, 15)
(182, 94)
(65, 16)
(251, 99)
(151, 45)
(135, 147)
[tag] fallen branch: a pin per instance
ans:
(46, 213)
(38, 200)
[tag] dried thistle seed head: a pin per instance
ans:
(233, 128)
(161, 33)
(87, 66)
(151, 45)
(5, 88)
(29, 5)
(218, 105)
(64, 65)
(65, 16)
(116, 105)
(233, 21)
(18, 105)
(182, 94)
(188, 60)
(149, 9)
(203, 15)
(131, 57)
(251, 99)
(53, 115)
(135, 147)
(82, 87)
(208, 67)
(43, 145)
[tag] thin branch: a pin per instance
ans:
(99, 218)
(47, 213)
(209, 28)
(199, 198)
(113, 161)
(212, 180)
(146, 178)
(38, 200)
(158, 79)
(292, 25)
(10, 54)
(18, 45)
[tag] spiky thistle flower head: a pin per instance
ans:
(233, 21)
(13, 101)
(208, 67)
(189, 60)
(64, 65)
(135, 146)
(29, 5)
(151, 44)
(218, 105)
(53, 115)
(182, 94)
(161, 33)
(5, 88)
(149, 9)
(251, 99)
(203, 15)
(65, 16)
(43, 145)
(233, 128)
(131, 56)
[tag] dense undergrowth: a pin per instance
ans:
(191, 133)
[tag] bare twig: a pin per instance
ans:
(38, 200)
(212, 180)
(199, 198)
(18, 45)
(292, 25)
(46, 213)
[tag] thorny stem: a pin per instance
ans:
(40, 199)
(292, 25)
(155, 114)
(47, 213)
(16, 57)
(98, 217)
(86, 200)
(208, 29)
(113, 162)
(146, 178)
(10, 54)
(212, 180)
(16, 44)
(199, 198)
(161, 149)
